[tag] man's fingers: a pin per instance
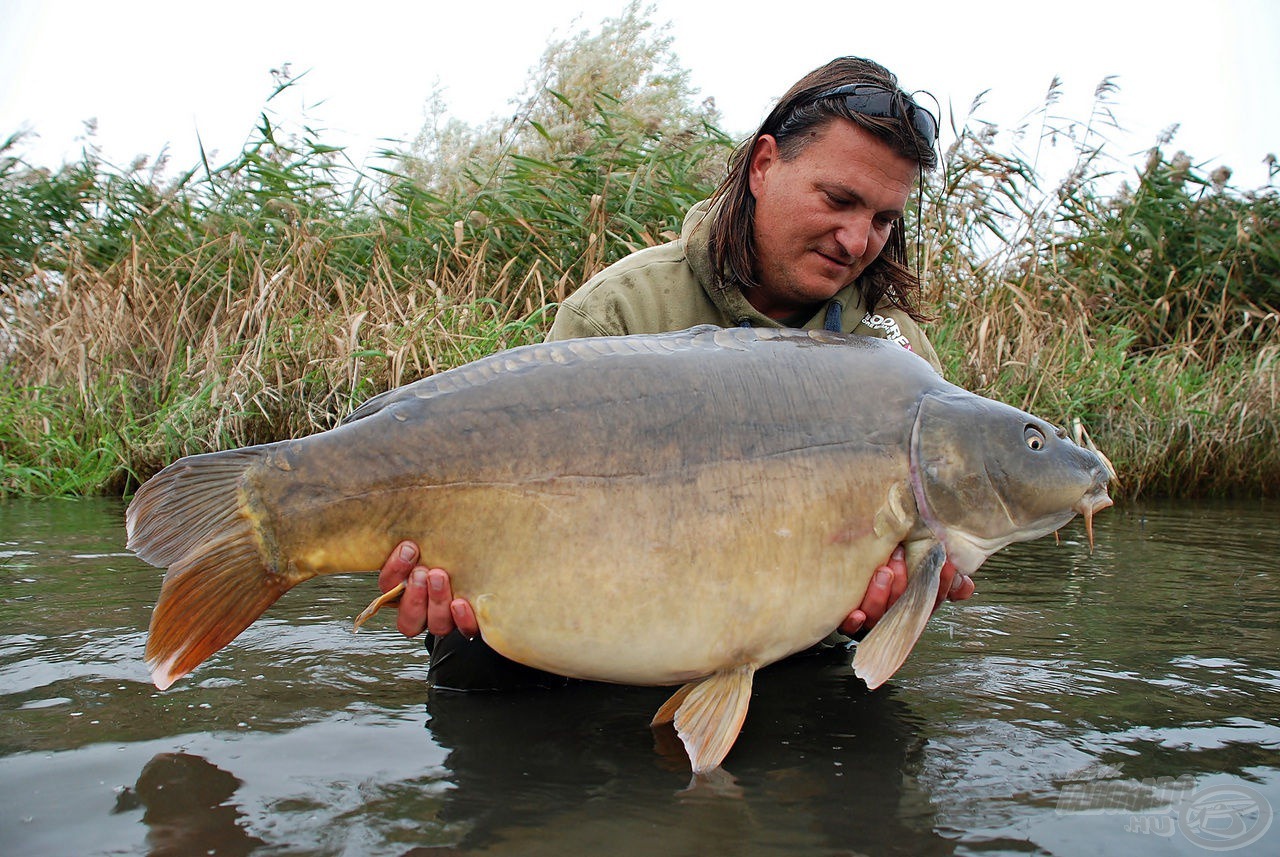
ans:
(412, 617)
(897, 565)
(945, 576)
(875, 601)
(962, 588)
(397, 567)
(853, 622)
(886, 586)
(464, 617)
(439, 596)
(952, 585)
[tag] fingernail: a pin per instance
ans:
(436, 581)
(883, 577)
(417, 577)
(899, 553)
(458, 616)
(407, 552)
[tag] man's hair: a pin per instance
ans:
(796, 115)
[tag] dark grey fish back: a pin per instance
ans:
(653, 403)
(564, 352)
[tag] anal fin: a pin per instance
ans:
(883, 650)
(708, 715)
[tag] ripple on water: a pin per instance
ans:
(110, 655)
(36, 704)
(1196, 737)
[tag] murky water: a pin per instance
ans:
(1126, 702)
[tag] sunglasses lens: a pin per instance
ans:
(881, 103)
(926, 126)
(873, 100)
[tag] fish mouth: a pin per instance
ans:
(1091, 503)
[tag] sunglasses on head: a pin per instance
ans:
(871, 99)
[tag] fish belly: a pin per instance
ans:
(642, 578)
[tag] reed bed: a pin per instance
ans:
(142, 319)
(1137, 305)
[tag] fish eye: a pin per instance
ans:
(1034, 438)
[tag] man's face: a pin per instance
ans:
(824, 216)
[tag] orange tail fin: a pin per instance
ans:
(191, 517)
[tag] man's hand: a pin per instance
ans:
(428, 602)
(889, 582)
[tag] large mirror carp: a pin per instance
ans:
(679, 508)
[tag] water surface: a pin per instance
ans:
(1124, 702)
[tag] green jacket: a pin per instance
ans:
(671, 287)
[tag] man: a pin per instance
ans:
(805, 231)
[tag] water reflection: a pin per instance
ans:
(575, 770)
(184, 799)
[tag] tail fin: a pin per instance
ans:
(192, 517)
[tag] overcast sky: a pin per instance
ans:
(156, 74)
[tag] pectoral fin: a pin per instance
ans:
(884, 649)
(708, 715)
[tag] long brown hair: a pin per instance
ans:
(733, 244)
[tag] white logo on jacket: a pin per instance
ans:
(892, 332)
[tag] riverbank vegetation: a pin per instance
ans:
(144, 317)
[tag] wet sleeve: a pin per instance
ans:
(458, 663)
